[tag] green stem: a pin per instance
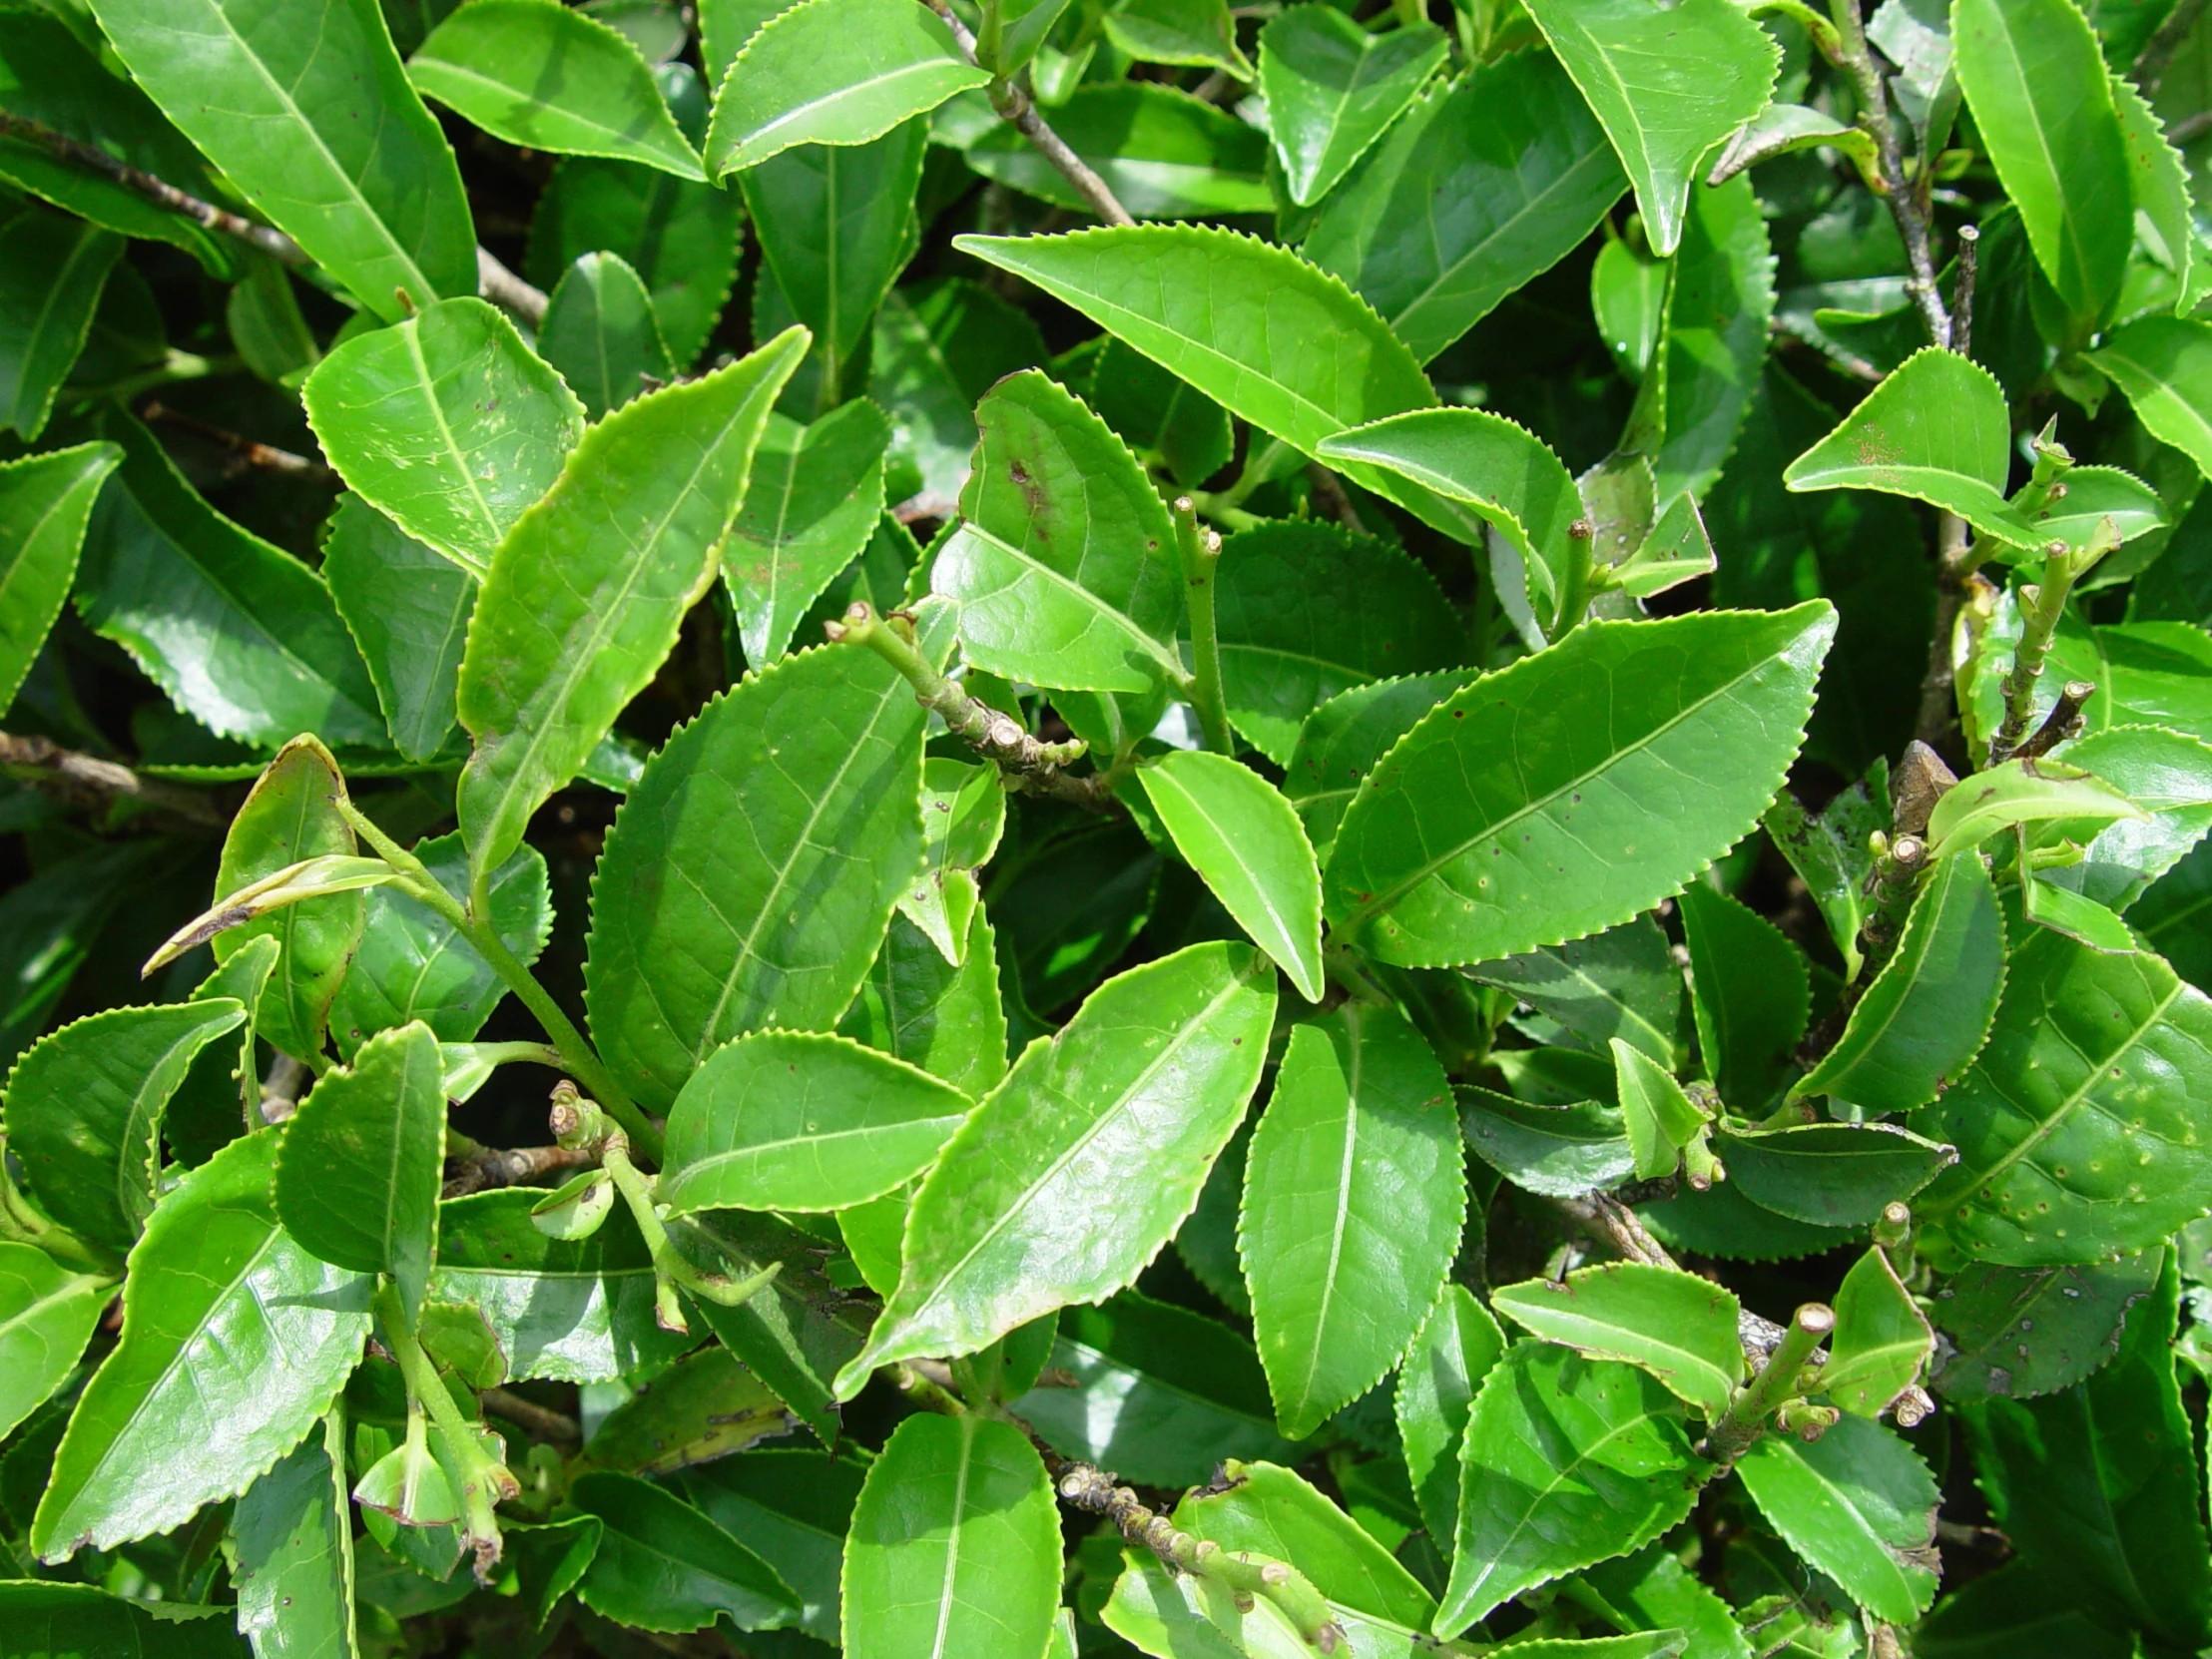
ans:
(670, 1267)
(2042, 604)
(576, 1054)
(486, 1482)
(1735, 1430)
(1201, 550)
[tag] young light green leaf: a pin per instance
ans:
(2022, 1332)
(46, 1316)
(1452, 853)
(309, 878)
(2036, 81)
(2083, 1039)
(955, 1543)
(292, 814)
(44, 501)
(2164, 366)
(84, 1111)
(601, 334)
(1065, 565)
(1882, 1343)
(1198, 33)
(921, 1006)
(1558, 1151)
(1832, 1174)
(1119, 1116)
(833, 72)
(663, 1565)
(1244, 839)
(1830, 853)
(1928, 1013)
(1437, 1384)
(1676, 1326)
(308, 111)
(787, 1120)
(1623, 982)
(241, 635)
(1751, 994)
(448, 425)
(407, 608)
(816, 497)
(819, 758)
(1472, 192)
(1668, 86)
(2166, 773)
(1267, 1510)
(235, 1340)
(1565, 1461)
(1265, 335)
(357, 1180)
(1860, 1505)
(1659, 1116)
(537, 74)
(1163, 152)
(586, 590)
(1353, 1197)
(1781, 129)
(290, 1545)
(963, 815)
(1332, 89)
(1472, 471)
(49, 290)
(1977, 807)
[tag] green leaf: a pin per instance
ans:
(235, 1340)
(833, 72)
(1470, 472)
(2036, 84)
(817, 494)
(2164, 222)
(357, 1179)
(1829, 855)
(1163, 152)
(292, 814)
(601, 335)
(1557, 1151)
(707, 1406)
(544, 76)
(1860, 1505)
(306, 109)
(1270, 1512)
(2022, 1332)
(2018, 1609)
(1676, 1326)
(585, 594)
(837, 223)
(2166, 773)
(2086, 1045)
(1064, 565)
(1472, 193)
(1652, 1590)
(1883, 1341)
(1341, 741)
(572, 1311)
(242, 637)
(786, 1120)
(1305, 611)
(2164, 366)
(1244, 839)
(1200, 33)
(1750, 991)
(78, 1621)
(921, 1007)
(1163, 420)
(84, 1111)
(1179, 1616)
(791, 1507)
(1256, 328)
(48, 291)
(1565, 1461)
(1723, 1222)
(1667, 85)
(1120, 1114)
(413, 965)
(963, 815)
(46, 1316)
(1623, 982)
(1590, 745)
(45, 502)
(292, 1549)
(1783, 129)
(1332, 89)
(1720, 301)
(1660, 1117)
(1928, 1013)
(407, 608)
(1435, 1389)
(2099, 1484)
(1979, 807)
(819, 758)
(663, 1565)
(1832, 1174)
(955, 1543)
(1354, 1197)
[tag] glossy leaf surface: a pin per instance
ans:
(1860, 1505)
(46, 1316)
(45, 503)
(1332, 89)
(1437, 1384)
(601, 334)
(1674, 1325)
(663, 1565)
(815, 496)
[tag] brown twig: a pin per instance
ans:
(1329, 490)
(247, 451)
(509, 292)
(1905, 206)
(1955, 562)
(1961, 303)
(2150, 64)
(541, 1421)
(2063, 721)
(492, 1166)
(87, 781)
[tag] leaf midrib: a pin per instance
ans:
(1170, 662)
(22, 561)
(946, 1585)
(850, 90)
(1341, 1220)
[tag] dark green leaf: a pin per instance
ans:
(407, 608)
(601, 334)
(292, 1545)
(1622, 983)
(2023, 1332)
(1719, 304)
(1831, 1174)
(1342, 739)
(44, 501)
(1751, 994)
(1435, 1389)
(1332, 89)
(1163, 420)
(792, 1509)
(1558, 1151)
(663, 1565)
(46, 1316)
(943, 1016)
(938, 348)
(705, 1406)
(45, 1620)
(48, 291)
